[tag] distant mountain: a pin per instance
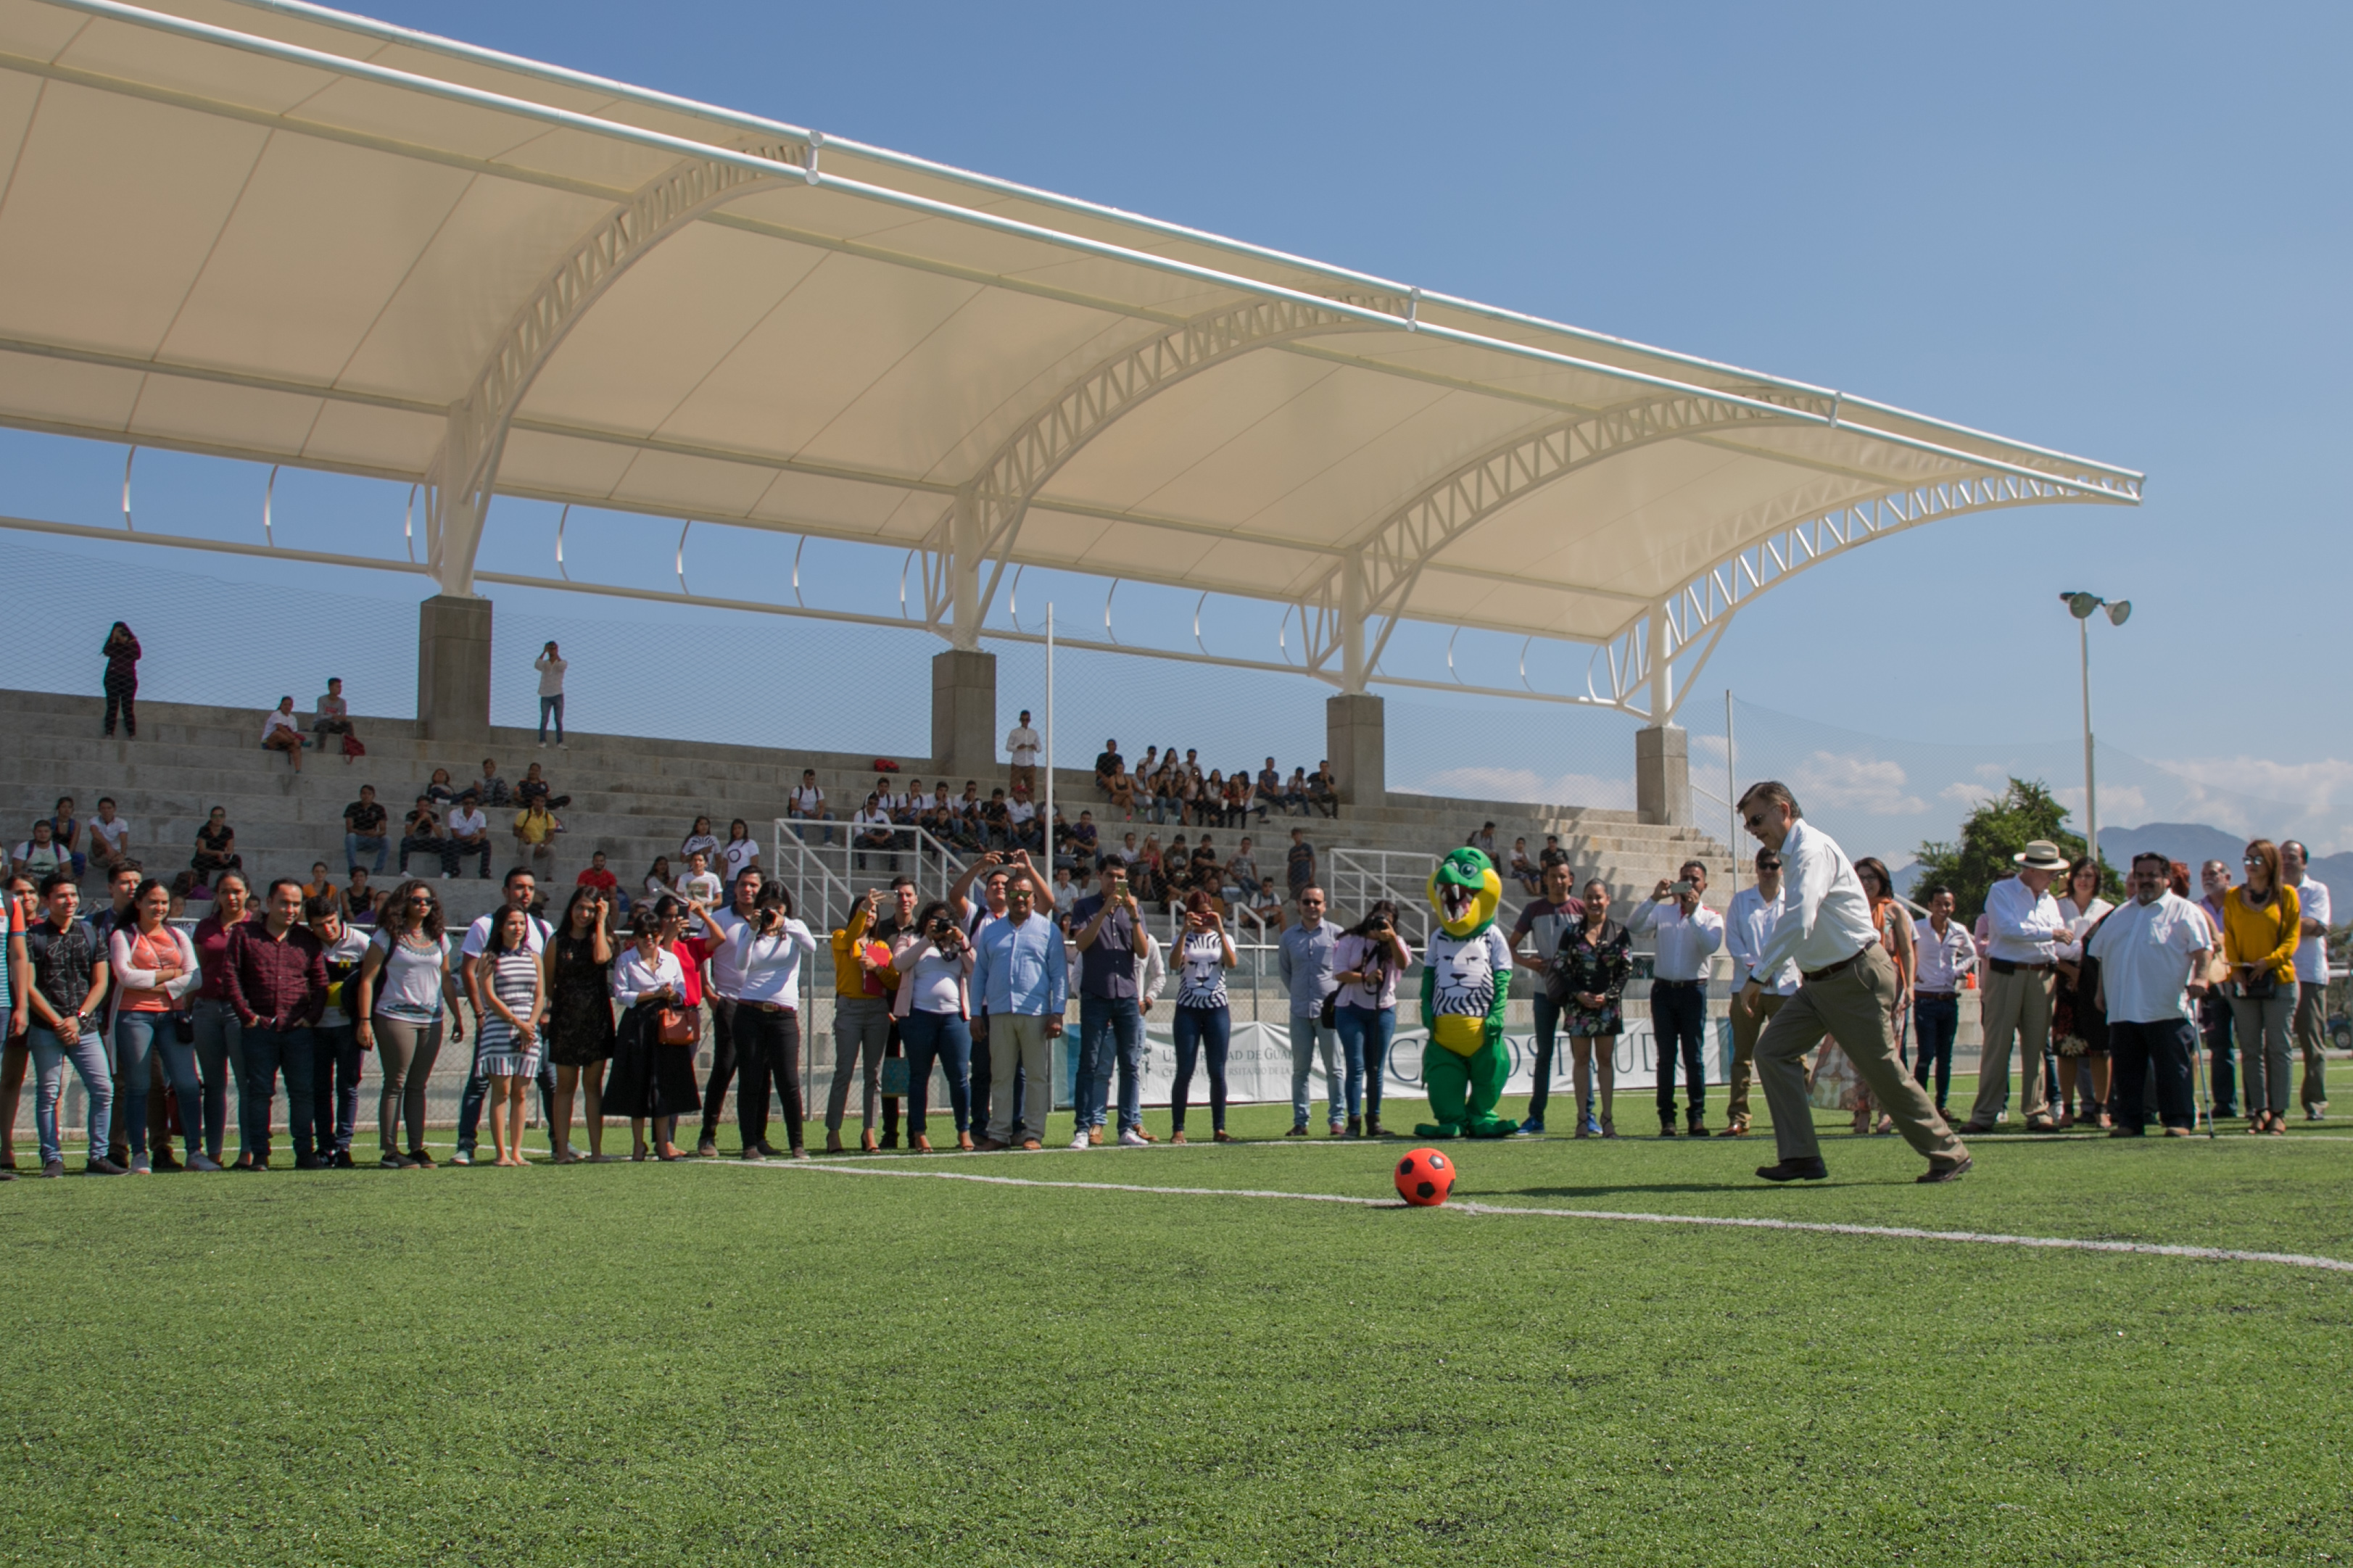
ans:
(2194, 843)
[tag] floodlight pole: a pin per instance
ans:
(2091, 798)
(1045, 818)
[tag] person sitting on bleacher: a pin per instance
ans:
(40, 855)
(216, 847)
(420, 833)
(280, 732)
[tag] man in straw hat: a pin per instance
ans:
(2020, 977)
(1846, 989)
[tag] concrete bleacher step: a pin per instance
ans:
(636, 797)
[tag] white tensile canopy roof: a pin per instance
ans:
(273, 232)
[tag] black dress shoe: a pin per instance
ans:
(1951, 1172)
(1696, 1129)
(1666, 1129)
(1795, 1171)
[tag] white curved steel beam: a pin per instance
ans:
(466, 468)
(1410, 538)
(998, 497)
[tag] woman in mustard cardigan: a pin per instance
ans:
(2261, 923)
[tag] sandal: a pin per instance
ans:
(1177, 1136)
(921, 1145)
(1609, 1128)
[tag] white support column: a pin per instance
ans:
(962, 566)
(1662, 678)
(1352, 623)
(1661, 751)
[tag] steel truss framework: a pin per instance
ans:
(1373, 573)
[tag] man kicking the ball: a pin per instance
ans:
(1847, 991)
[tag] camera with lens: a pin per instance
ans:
(940, 927)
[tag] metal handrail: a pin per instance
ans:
(832, 871)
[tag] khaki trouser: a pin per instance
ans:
(1853, 1007)
(2016, 1004)
(2311, 1039)
(1024, 773)
(1746, 1031)
(1018, 1041)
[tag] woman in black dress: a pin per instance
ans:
(1588, 979)
(650, 1081)
(122, 651)
(580, 1020)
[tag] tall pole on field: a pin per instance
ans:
(1046, 818)
(2081, 605)
(1731, 793)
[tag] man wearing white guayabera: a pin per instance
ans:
(2152, 957)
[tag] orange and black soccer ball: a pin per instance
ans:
(1424, 1177)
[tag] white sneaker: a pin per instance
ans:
(1134, 1138)
(1080, 1141)
(203, 1162)
(141, 1166)
(462, 1157)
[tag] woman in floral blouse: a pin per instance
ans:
(1588, 977)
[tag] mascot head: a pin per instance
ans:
(1465, 891)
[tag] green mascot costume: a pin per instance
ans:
(1466, 976)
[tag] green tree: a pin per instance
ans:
(1994, 831)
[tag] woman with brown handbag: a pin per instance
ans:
(651, 1078)
(2262, 924)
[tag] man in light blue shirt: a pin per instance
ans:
(1305, 958)
(1022, 977)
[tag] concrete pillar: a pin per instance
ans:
(1662, 775)
(963, 714)
(453, 668)
(1353, 742)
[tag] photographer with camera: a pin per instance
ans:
(1688, 933)
(766, 951)
(1367, 963)
(933, 1007)
(1108, 929)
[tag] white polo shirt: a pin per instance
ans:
(2312, 952)
(468, 822)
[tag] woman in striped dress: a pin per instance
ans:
(513, 985)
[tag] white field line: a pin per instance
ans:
(1897, 1233)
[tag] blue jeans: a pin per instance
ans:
(1201, 1031)
(335, 1057)
(945, 1039)
(1309, 1037)
(355, 845)
(136, 1036)
(1935, 1021)
(267, 1051)
(1111, 1030)
(551, 705)
(1365, 1034)
(470, 1103)
(221, 1050)
(1679, 1018)
(88, 1056)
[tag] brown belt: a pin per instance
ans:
(1810, 975)
(1935, 996)
(765, 1006)
(2004, 966)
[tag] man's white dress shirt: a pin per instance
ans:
(1825, 914)
(2144, 951)
(1746, 926)
(1942, 959)
(2312, 952)
(1685, 941)
(1022, 746)
(2027, 926)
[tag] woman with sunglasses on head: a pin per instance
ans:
(220, 1038)
(154, 967)
(2079, 1031)
(1588, 979)
(1367, 962)
(514, 992)
(403, 983)
(580, 1020)
(650, 1082)
(2263, 923)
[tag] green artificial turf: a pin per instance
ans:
(705, 1363)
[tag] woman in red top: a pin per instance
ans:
(220, 1038)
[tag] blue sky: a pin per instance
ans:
(2114, 230)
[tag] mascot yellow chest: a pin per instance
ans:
(1463, 971)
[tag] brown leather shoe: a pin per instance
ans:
(1952, 1171)
(1094, 1137)
(1031, 1145)
(989, 1147)
(1737, 1129)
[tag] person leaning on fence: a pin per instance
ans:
(2262, 927)
(2151, 954)
(1022, 974)
(406, 983)
(1846, 989)
(1304, 958)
